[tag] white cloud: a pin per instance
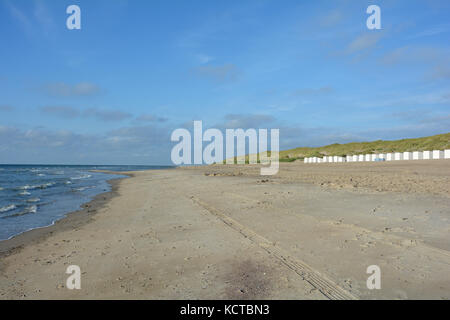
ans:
(331, 18)
(39, 17)
(410, 54)
(127, 145)
(245, 121)
(6, 108)
(107, 115)
(218, 73)
(431, 31)
(19, 16)
(440, 72)
(363, 42)
(62, 89)
(60, 111)
(204, 59)
(150, 118)
(99, 114)
(313, 91)
(42, 15)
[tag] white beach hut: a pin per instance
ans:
(417, 155)
(361, 157)
(355, 158)
(398, 156)
(349, 158)
(427, 155)
(367, 157)
(447, 154)
(382, 156)
(438, 154)
(407, 155)
(373, 157)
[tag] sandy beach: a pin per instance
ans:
(225, 232)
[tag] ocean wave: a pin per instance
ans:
(27, 187)
(40, 186)
(84, 188)
(1, 189)
(8, 208)
(83, 176)
(47, 185)
(24, 193)
(28, 210)
(34, 200)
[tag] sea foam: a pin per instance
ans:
(8, 208)
(84, 176)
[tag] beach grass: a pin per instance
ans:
(436, 142)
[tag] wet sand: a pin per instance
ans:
(225, 232)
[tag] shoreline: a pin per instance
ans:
(71, 220)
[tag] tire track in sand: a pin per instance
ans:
(319, 281)
(388, 239)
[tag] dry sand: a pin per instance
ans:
(225, 232)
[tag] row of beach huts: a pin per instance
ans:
(416, 155)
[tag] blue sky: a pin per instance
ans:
(114, 91)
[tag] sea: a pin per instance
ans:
(35, 196)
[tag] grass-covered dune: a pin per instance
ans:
(437, 142)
